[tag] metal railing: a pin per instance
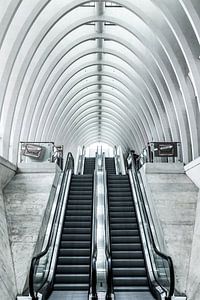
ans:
(161, 152)
(110, 291)
(162, 270)
(42, 264)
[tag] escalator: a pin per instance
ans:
(63, 270)
(73, 261)
(137, 269)
(67, 266)
(128, 263)
(110, 165)
(89, 165)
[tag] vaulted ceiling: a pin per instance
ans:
(78, 72)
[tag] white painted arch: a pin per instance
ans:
(141, 74)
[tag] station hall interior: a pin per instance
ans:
(99, 149)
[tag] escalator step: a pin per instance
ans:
(121, 209)
(77, 224)
(121, 203)
(124, 232)
(76, 230)
(119, 214)
(71, 287)
(118, 184)
(73, 260)
(75, 237)
(127, 254)
(80, 197)
(72, 278)
(123, 263)
(127, 247)
(125, 239)
(75, 212)
(132, 289)
(121, 220)
(74, 244)
(72, 269)
(121, 194)
(79, 202)
(124, 226)
(130, 281)
(79, 207)
(80, 192)
(123, 272)
(74, 252)
(120, 199)
(76, 187)
(79, 218)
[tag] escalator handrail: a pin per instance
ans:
(68, 165)
(157, 251)
(110, 289)
(93, 272)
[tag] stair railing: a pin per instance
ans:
(110, 291)
(161, 264)
(42, 264)
(93, 267)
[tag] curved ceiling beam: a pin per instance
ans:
(179, 105)
(20, 38)
(123, 105)
(145, 104)
(115, 87)
(92, 138)
(46, 102)
(7, 18)
(82, 125)
(55, 108)
(124, 26)
(184, 45)
(91, 107)
(123, 94)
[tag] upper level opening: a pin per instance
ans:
(100, 148)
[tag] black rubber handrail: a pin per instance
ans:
(110, 290)
(94, 275)
(158, 252)
(68, 165)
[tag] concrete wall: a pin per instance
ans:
(26, 198)
(193, 284)
(7, 275)
(193, 171)
(174, 197)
